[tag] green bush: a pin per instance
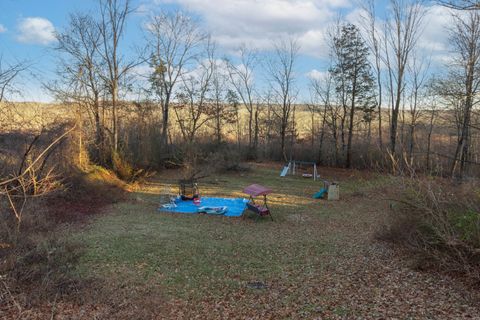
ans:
(467, 226)
(440, 223)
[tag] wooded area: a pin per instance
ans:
(379, 105)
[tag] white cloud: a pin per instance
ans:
(314, 42)
(2, 28)
(36, 30)
(198, 71)
(435, 34)
(142, 71)
(433, 39)
(315, 74)
(258, 23)
(142, 9)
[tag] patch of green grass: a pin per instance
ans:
(341, 311)
(191, 256)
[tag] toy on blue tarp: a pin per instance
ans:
(188, 189)
(229, 207)
(213, 210)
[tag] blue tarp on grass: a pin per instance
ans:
(235, 206)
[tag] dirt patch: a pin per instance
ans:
(86, 194)
(338, 174)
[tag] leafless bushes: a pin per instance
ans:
(226, 159)
(440, 223)
(32, 176)
(41, 187)
(29, 252)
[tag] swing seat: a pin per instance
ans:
(262, 211)
(256, 190)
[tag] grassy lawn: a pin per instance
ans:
(298, 266)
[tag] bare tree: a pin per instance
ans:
(340, 110)
(331, 112)
(242, 79)
(321, 89)
(113, 17)
(224, 107)
(374, 41)
(433, 114)
(268, 123)
(233, 101)
(402, 31)
(80, 72)
(176, 42)
(465, 39)
(418, 69)
(460, 4)
(312, 108)
(281, 71)
(194, 110)
(8, 73)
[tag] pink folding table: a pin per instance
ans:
(256, 190)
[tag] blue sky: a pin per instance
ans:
(26, 28)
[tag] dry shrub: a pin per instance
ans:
(440, 223)
(202, 160)
(35, 166)
(38, 265)
(124, 169)
(45, 184)
(226, 160)
(86, 192)
(44, 264)
(121, 166)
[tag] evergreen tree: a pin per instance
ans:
(354, 82)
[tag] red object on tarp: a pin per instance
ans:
(256, 190)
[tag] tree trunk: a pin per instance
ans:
(429, 141)
(98, 136)
(312, 142)
(369, 135)
(282, 140)
(379, 83)
(342, 129)
(250, 120)
(348, 163)
(322, 135)
(218, 125)
(255, 135)
(412, 143)
(464, 142)
(165, 120)
(114, 118)
(393, 128)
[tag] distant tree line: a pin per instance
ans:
(378, 105)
